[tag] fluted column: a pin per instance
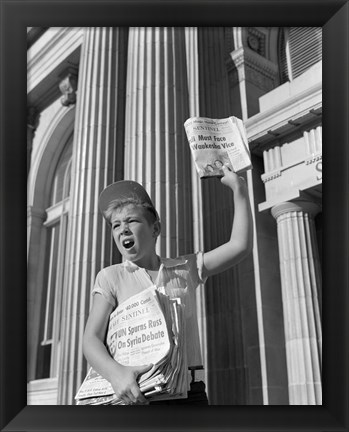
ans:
(157, 154)
(97, 161)
(191, 39)
(227, 378)
(301, 296)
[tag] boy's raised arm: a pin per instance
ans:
(241, 240)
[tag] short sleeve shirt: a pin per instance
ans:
(177, 277)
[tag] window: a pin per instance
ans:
(299, 49)
(56, 224)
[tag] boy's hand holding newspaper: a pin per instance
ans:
(234, 181)
(124, 383)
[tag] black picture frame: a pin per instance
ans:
(332, 15)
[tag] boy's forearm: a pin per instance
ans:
(99, 358)
(242, 229)
(240, 243)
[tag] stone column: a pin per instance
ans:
(301, 296)
(192, 52)
(97, 161)
(157, 153)
(226, 373)
(35, 256)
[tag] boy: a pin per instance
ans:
(135, 226)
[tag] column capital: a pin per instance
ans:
(303, 205)
(32, 117)
(68, 86)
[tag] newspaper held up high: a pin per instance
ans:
(217, 142)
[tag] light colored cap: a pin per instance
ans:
(123, 189)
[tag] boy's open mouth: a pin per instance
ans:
(128, 243)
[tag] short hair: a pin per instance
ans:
(119, 203)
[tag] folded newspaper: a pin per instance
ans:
(218, 142)
(147, 328)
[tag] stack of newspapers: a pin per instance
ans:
(148, 328)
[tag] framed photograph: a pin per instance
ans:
(255, 383)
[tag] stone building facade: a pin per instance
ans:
(106, 104)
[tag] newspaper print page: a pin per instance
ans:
(137, 333)
(94, 385)
(217, 142)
